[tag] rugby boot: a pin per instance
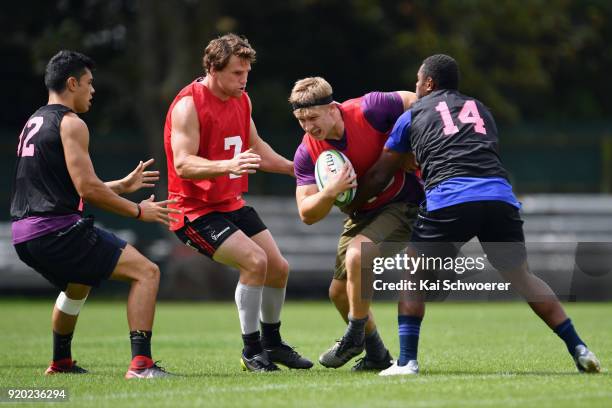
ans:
(341, 352)
(65, 366)
(258, 363)
(412, 368)
(367, 363)
(287, 356)
(585, 360)
(143, 367)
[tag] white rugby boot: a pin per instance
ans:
(411, 368)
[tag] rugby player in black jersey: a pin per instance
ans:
(54, 175)
(454, 139)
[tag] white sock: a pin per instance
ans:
(248, 300)
(272, 301)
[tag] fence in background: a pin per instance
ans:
(311, 250)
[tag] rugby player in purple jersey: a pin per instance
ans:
(358, 128)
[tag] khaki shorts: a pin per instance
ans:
(392, 224)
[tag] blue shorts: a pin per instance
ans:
(80, 253)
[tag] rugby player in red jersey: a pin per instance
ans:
(212, 145)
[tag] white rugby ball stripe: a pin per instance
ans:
(331, 161)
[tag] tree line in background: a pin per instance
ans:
(529, 60)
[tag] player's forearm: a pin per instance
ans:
(102, 196)
(314, 208)
(199, 168)
(271, 161)
(369, 186)
(280, 165)
(116, 186)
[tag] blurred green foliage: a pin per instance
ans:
(545, 61)
(528, 60)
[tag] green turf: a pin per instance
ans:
(481, 354)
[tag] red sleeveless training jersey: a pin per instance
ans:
(363, 147)
(224, 133)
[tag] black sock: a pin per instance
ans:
(62, 346)
(356, 329)
(270, 334)
(375, 348)
(252, 344)
(141, 343)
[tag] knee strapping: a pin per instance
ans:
(69, 306)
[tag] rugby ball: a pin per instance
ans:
(328, 163)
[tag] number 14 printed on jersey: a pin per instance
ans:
(469, 114)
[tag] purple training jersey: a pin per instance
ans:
(381, 110)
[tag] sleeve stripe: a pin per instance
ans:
(399, 139)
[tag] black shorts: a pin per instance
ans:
(497, 225)
(208, 232)
(81, 253)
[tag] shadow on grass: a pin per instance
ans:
(283, 372)
(507, 373)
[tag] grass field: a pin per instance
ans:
(493, 354)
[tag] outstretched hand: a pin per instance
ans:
(152, 211)
(140, 178)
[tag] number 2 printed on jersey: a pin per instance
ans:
(25, 148)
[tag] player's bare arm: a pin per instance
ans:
(314, 205)
(271, 161)
(378, 176)
(186, 142)
(137, 179)
(408, 98)
(75, 140)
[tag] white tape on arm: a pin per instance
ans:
(69, 306)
